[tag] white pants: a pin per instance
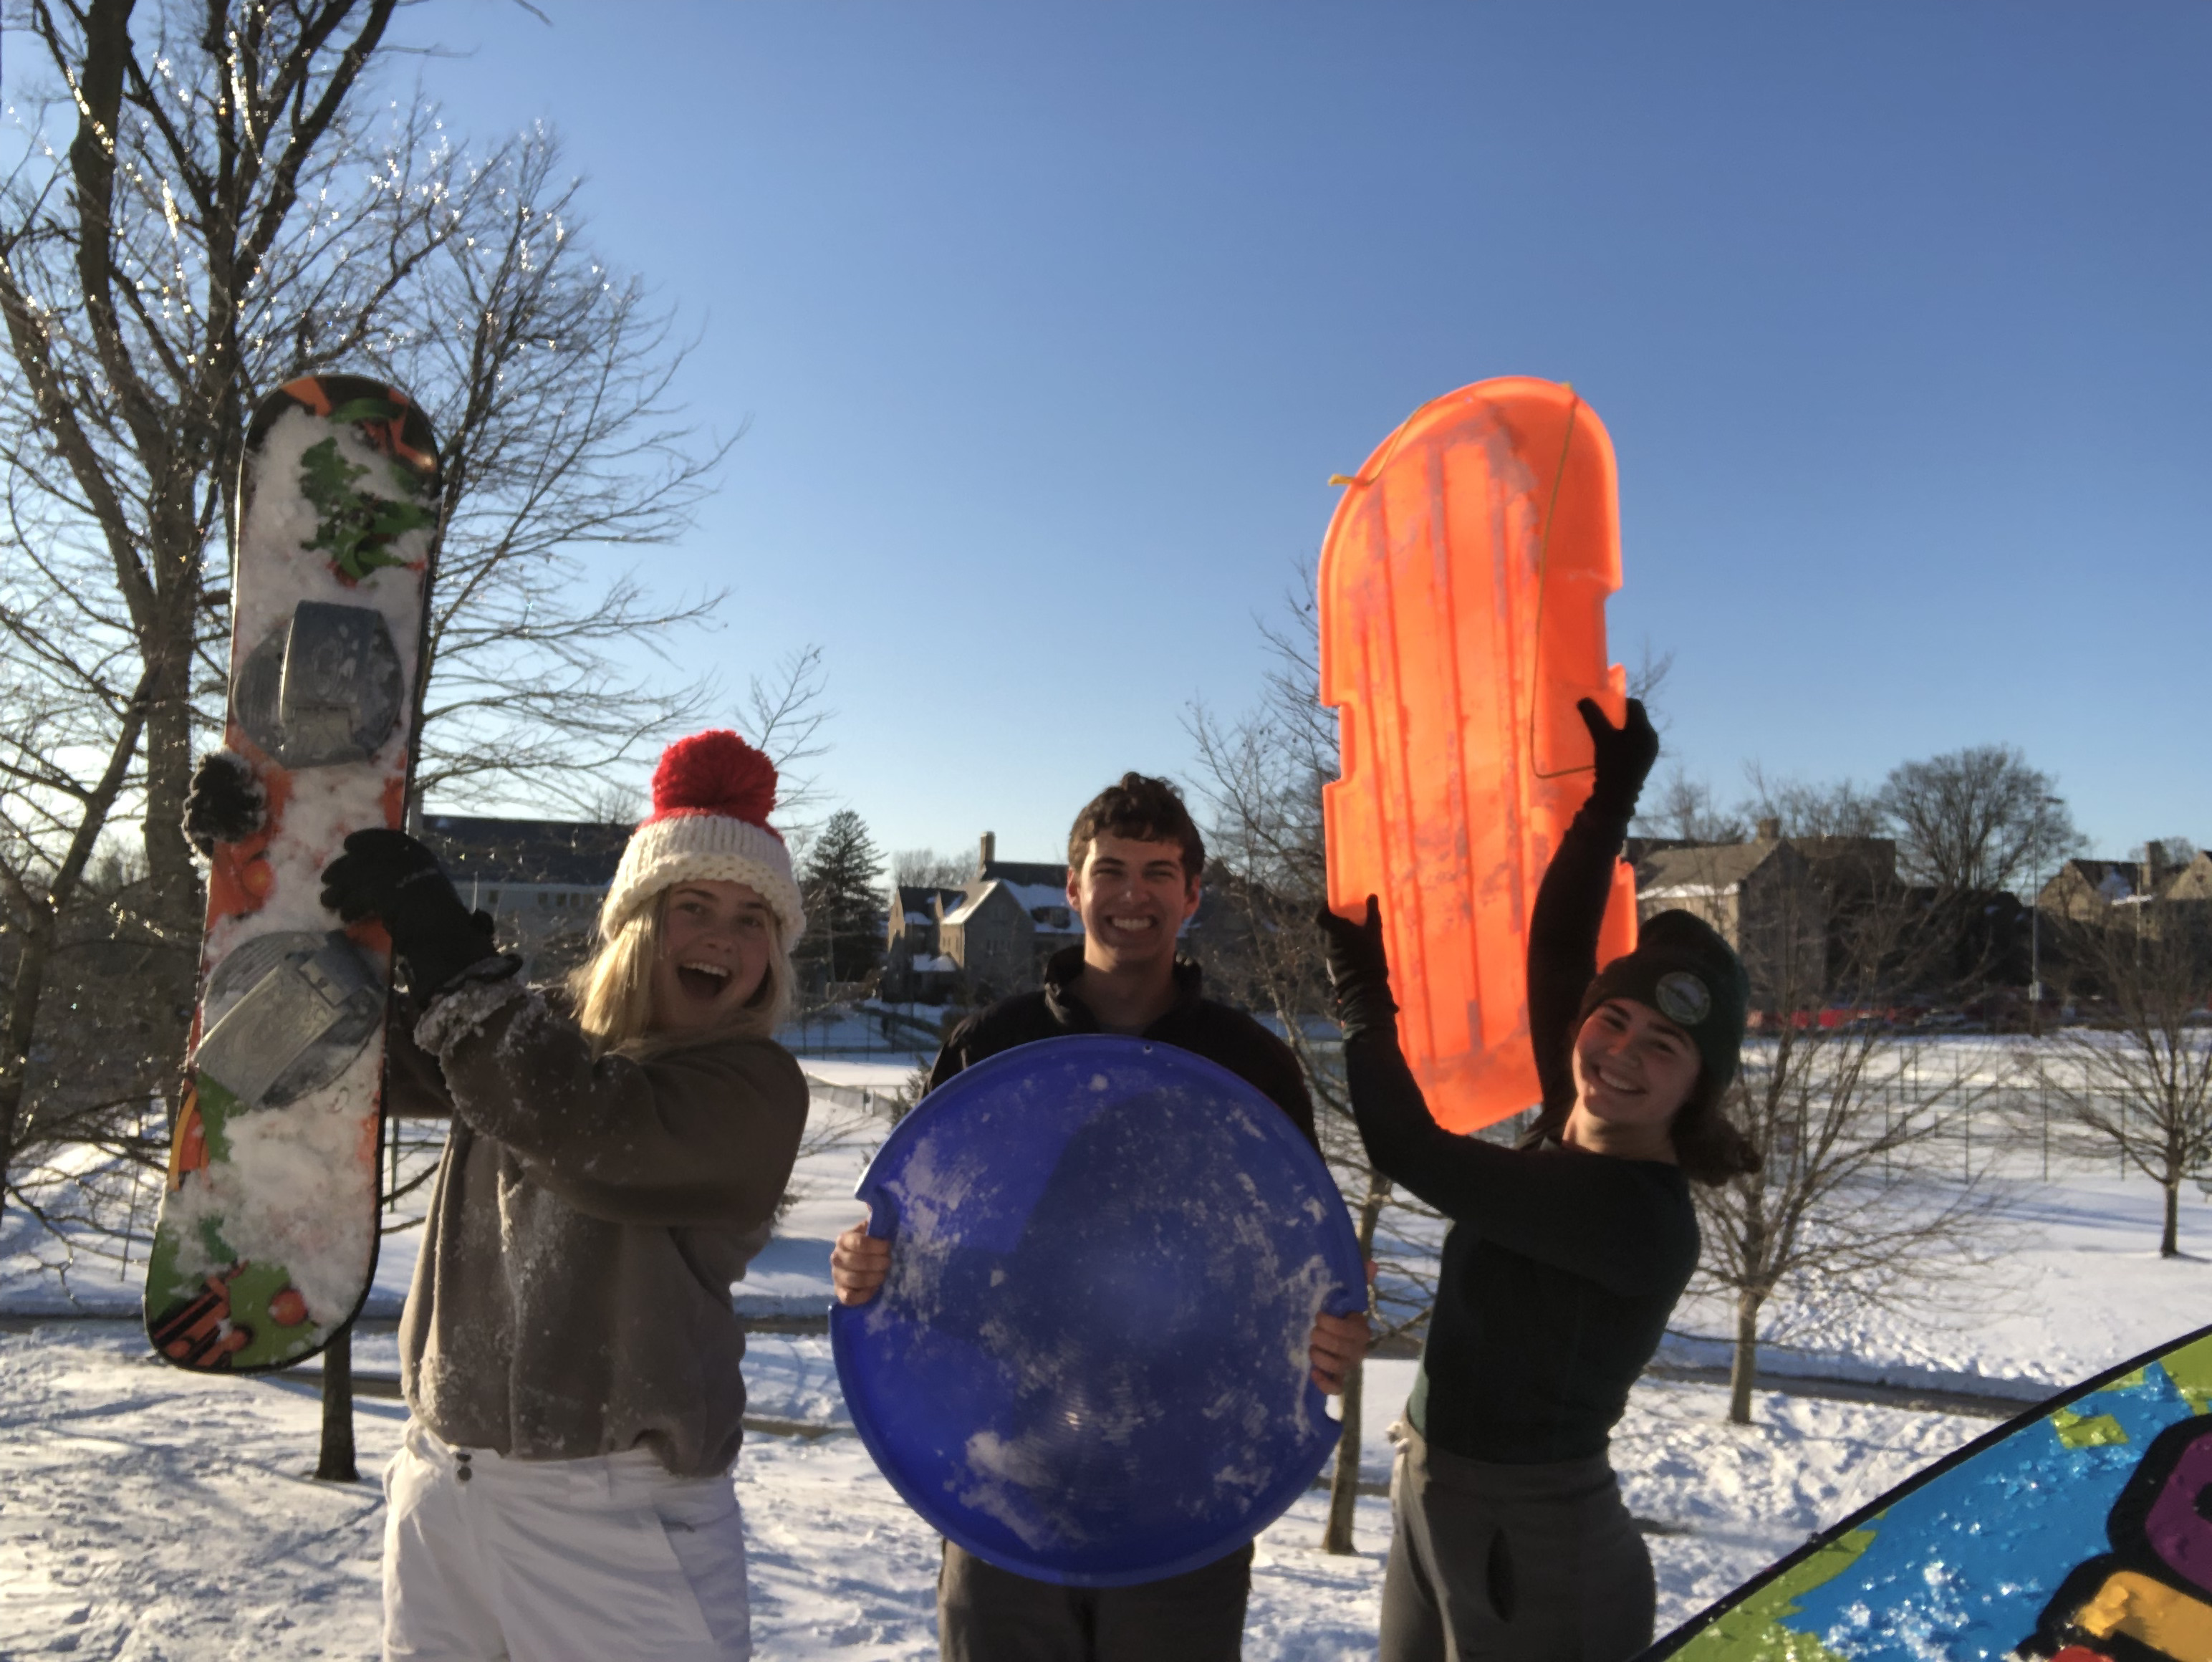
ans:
(603, 1560)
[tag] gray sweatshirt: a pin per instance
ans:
(572, 1298)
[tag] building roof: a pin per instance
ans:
(576, 853)
(2193, 881)
(915, 899)
(1029, 874)
(1048, 908)
(1874, 858)
(1683, 873)
(2114, 880)
(973, 902)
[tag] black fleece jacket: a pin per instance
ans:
(1561, 1267)
(1194, 1023)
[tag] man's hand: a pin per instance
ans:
(1337, 1345)
(859, 1265)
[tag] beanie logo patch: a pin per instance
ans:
(1682, 998)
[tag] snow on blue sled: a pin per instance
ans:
(1088, 1363)
(2080, 1531)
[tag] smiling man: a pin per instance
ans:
(1133, 861)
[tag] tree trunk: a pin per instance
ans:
(41, 924)
(29, 987)
(1745, 1367)
(1344, 1482)
(336, 1463)
(2169, 1241)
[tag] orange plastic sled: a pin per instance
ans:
(1463, 583)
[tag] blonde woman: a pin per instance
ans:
(569, 1353)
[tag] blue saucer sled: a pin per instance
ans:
(1089, 1364)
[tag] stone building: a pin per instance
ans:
(542, 880)
(2159, 890)
(1764, 897)
(985, 940)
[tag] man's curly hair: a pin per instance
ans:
(1144, 809)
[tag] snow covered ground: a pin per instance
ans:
(147, 1514)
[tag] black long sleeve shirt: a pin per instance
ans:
(1194, 1023)
(1561, 1267)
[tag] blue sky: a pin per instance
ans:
(1050, 322)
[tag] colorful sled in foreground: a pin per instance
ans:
(1089, 1364)
(2080, 1531)
(267, 1238)
(1462, 590)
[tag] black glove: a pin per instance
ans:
(225, 803)
(1624, 756)
(1358, 970)
(388, 876)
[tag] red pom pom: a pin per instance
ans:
(715, 772)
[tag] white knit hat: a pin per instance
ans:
(712, 795)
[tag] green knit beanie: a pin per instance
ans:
(1683, 969)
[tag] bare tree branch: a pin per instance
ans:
(1260, 779)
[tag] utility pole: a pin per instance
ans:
(2034, 919)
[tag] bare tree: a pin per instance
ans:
(220, 208)
(783, 713)
(1976, 820)
(547, 377)
(1261, 779)
(2138, 1082)
(1847, 1203)
(1686, 810)
(209, 204)
(229, 214)
(1648, 681)
(926, 868)
(2166, 853)
(1814, 809)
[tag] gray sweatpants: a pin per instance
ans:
(986, 1614)
(1511, 1563)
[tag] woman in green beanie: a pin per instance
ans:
(1565, 1258)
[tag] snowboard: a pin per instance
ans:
(266, 1241)
(1463, 589)
(2080, 1531)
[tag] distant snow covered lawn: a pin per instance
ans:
(146, 1514)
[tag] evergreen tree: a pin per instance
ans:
(844, 910)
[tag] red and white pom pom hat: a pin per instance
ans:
(712, 795)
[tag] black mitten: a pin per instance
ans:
(388, 876)
(1624, 756)
(1358, 970)
(225, 802)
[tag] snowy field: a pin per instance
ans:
(147, 1514)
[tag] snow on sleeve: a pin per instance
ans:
(467, 1009)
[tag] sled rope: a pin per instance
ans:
(1543, 573)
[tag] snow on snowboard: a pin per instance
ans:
(2080, 1531)
(267, 1237)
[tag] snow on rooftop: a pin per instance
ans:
(961, 913)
